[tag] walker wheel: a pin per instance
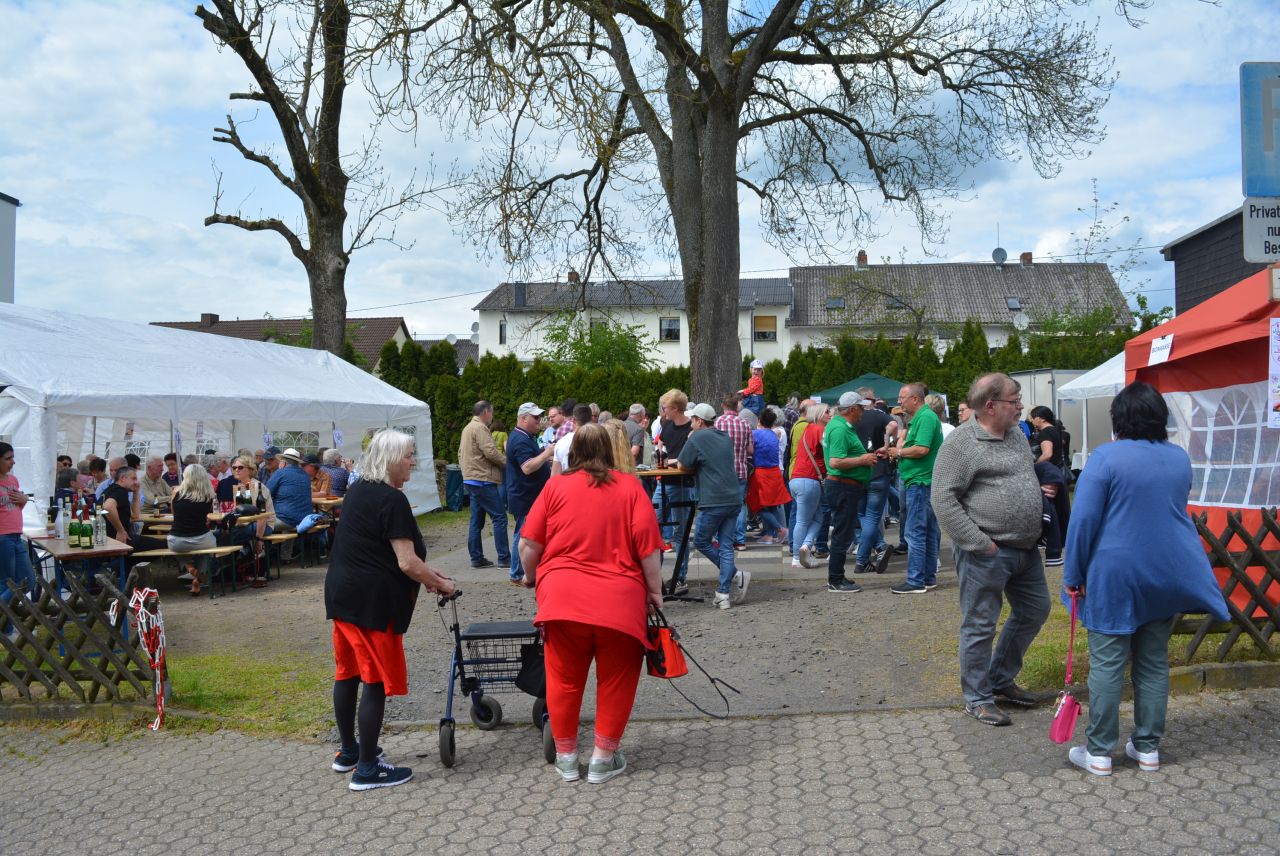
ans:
(486, 713)
(539, 711)
(548, 743)
(447, 753)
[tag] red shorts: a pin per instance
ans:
(375, 656)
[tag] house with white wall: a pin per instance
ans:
(817, 305)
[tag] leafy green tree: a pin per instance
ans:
(569, 337)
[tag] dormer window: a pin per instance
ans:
(1014, 304)
(892, 302)
(835, 303)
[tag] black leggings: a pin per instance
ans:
(373, 703)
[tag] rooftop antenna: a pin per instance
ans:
(998, 255)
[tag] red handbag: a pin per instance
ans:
(665, 658)
(1067, 710)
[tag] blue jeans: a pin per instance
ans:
(740, 530)
(754, 403)
(674, 531)
(517, 570)
(808, 496)
(15, 564)
(873, 502)
(985, 581)
(923, 537)
(790, 509)
(485, 500)
(774, 519)
(895, 501)
(717, 522)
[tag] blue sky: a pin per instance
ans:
(108, 110)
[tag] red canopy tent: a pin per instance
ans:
(1215, 381)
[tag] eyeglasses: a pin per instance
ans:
(239, 467)
(1016, 402)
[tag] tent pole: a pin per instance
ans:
(93, 445)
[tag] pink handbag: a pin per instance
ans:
(1067, 710)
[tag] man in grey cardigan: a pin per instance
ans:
(987, 499)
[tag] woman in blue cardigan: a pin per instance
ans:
(1134, 559)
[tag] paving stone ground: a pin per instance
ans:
(919, 782)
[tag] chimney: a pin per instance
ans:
(517, 295)
(8, 243)
(1025, 259)
(208, 319)
(573, 275)
(862, 258)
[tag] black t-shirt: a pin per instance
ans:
(190, 518)
(523, 489)
(227, 490)
(870, 430)
(673, 437)
(123, 509)
(364, 585)
(1054, 436)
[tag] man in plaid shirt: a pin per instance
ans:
(567, 426)
(730, 423)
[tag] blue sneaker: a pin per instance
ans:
(345, 761)
(384, 776)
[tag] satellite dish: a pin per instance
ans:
(475, 338)
(475, 326)
(998, 255)
(1021, 321)
(451, 338)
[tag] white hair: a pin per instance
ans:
(195, 484)
(331, 457)
(386, 447)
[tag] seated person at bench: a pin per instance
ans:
(155, 490)
(192, 501)
(249, 491)
(120, 512)
(291, 490)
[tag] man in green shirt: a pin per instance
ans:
(916, 456)
(848, 471)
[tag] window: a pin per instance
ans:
(765, 328)
(1014, 304)
(835, 303)
(891, 302)
(306, 442)
(1235, 457)
(141, 448)
(668, 329)
(502, 332)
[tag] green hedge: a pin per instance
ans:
(432, 375)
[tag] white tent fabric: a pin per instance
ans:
(74, 384)
(1100, 382)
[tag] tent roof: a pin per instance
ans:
(1099, 382)
(1218, 342)
(884, 387)
(75, 364)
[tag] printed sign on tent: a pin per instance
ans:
(128, 430)
(1273, 377)
(266, 440)
(1160, 349)
(337, 438)
(199, 431)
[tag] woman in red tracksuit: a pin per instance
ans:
(591, 547)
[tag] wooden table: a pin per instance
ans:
(63, 552)
(664, 475)
(327, 503)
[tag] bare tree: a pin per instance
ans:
(300, 54)
(821, 111)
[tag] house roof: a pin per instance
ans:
(639, 293)
(368, 335)
(950, 293)
(468, 351)
(1167, 249)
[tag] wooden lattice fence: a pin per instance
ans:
(1249, 574)
(71, 646)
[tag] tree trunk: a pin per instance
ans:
(327, 276)
(711, 295)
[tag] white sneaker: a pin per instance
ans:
(1148, 762)
(738, 590)
(806, 553)
(1098, 765)
(795, 562)
(720, 601)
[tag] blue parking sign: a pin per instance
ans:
(1260, 127)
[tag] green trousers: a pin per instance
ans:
(1147, 651)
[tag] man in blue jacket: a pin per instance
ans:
(528, 469)
(291, 493)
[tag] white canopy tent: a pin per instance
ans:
(1100, 382)
(70, 384)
